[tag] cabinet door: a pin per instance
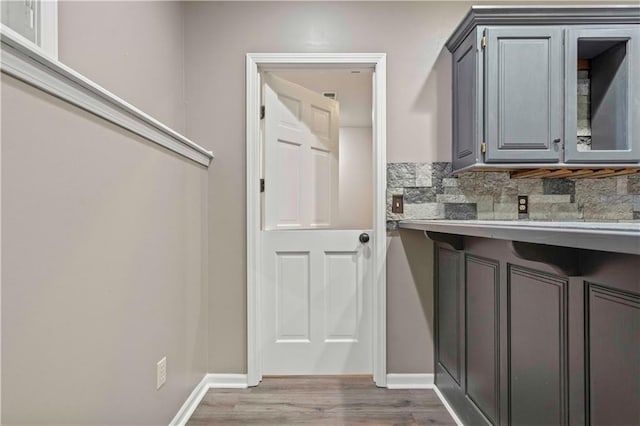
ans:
(523, 94)
(466, 103)
(613, 362)
(602, 94)
(482, 338)
(536, 347)
(449, 301)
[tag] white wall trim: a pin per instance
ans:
(20, 59)
(410, 381)
(378, 61)
(48, 28)
(209, 381)
(448, 407)
(192, 402)
(227, 381)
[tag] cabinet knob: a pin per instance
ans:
(364, 238)
(556, 140)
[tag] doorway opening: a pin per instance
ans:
(316, 290)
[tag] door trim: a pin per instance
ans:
(255, 62)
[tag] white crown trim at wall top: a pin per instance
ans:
(21, 60)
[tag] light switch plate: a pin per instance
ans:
(397, 204)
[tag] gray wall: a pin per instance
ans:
(218, 36)
(103, 234)
(135, 49)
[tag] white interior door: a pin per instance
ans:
(316, 281)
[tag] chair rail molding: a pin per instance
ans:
(19, 59)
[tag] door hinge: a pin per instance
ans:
(483, 147)
(261, 185)
(262, 112)
(483, 43)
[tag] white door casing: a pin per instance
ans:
(255, 63)
(316, 307)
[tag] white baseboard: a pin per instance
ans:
(420, 381)
(447, 406)
(410, 381)
(189, 406)
(209, 381)
(228, 381)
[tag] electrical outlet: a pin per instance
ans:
(397, 204)
(523, 204)
(161, 372)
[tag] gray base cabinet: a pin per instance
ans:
(519, 343)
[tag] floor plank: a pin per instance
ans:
(320, 400)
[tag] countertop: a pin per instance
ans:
(603, 236)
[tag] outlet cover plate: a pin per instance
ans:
(161, 372)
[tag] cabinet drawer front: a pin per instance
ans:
(524, 93)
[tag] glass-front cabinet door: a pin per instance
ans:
(602, 95)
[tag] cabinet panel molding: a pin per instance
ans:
(536, 347)
(482, 335)
(612, 321)
(448, 312)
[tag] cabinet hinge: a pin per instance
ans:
(483, 147)
(262, 112)
(483, 43)
(261, 185)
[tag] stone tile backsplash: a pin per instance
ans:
(431, 192)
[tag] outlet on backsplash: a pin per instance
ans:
(523, 205)
(430, 191)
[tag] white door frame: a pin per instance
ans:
(254, 63)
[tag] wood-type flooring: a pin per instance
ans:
(320, 400)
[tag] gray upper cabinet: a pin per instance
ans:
(546, 87)
(602, 94)
(523, 92)
(466, 120)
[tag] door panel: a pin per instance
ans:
(289, 197)
(317, 303)
(523, 89)
(342, 290)
(321, 170)
(301, 156)
(292, 294)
